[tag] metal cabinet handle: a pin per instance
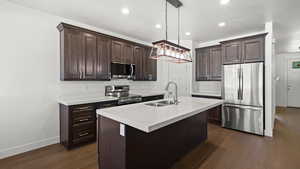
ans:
(85, 108)
(82, 120)
(84, 134)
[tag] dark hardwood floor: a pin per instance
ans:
(225, 149)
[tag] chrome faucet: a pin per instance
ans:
(175, 98)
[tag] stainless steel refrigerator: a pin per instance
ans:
(243, 92)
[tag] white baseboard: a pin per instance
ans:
(27, 147)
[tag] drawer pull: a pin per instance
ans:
(83, 134)
(82, 120)
(85, 108)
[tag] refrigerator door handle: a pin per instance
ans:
(242, 84)
(239, 89)
(242, 107)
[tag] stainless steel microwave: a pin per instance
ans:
(122, 71)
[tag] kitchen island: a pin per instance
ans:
(140, 136)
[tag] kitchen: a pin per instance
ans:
(33, 103)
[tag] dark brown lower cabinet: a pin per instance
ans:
(215, 114)
(159, 149)
(78, 123)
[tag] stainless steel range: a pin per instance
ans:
(122, 93)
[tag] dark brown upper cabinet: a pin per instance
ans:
(202, 64)
(244, 50)
(138, 61)
(128, 50)
(89, 63)
(215, 63)
(232, 52)
(151, 66)
(71, 50)
(117, 51)
(87, 55)
(208, 63)
(254, 49)
(146, 68)
(103, 58)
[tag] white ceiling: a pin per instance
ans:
(200, 17)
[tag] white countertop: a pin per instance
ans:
(85, 99)
(149, 118)
(76, 100)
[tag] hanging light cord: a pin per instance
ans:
(166, 19)
(179, 25)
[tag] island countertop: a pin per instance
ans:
(149, 118)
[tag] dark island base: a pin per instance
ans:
(159, 149)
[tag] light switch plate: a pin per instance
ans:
(122, 129)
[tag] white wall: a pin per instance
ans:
(282, 74)
(30, 82)
(269, 81)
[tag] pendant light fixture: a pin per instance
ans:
(166, 50)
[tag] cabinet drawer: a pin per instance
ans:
(84, 133)
(108, 104)
(83, 108)
(87, 117)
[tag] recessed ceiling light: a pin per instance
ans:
(222, 24)
(125, 11)
(157, 26)
(224, 2)
(187, 33)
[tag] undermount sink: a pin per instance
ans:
(159, 103)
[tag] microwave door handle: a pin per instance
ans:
(131, 73)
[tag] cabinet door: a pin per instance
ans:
(89, 63)
(138, 61)
(103, 58)
(215, 115)
(215, 63)
(203, 64)
(253, 50)
(117, 51)
(150, 66)
(127, 54)
(197, 64)
(71, 59)
(232, 52)
(146, 64)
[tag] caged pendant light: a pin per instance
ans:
(166, 50)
